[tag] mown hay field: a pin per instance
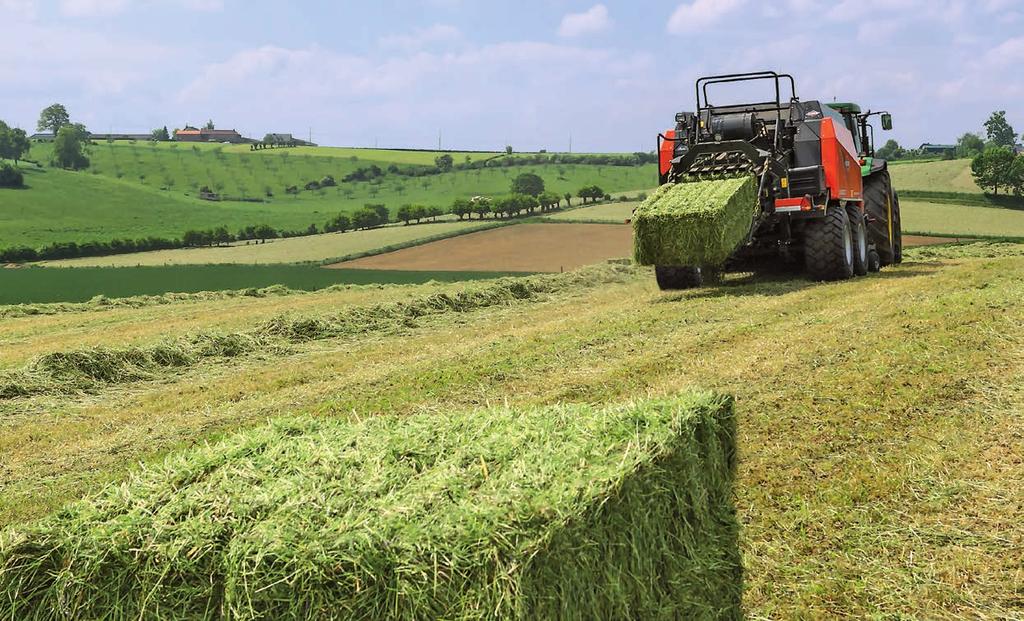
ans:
(879, 469)
(950, 219)
(312, 248)
(39, 285)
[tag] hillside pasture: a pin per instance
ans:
(937, 176)
(150, 189)
(961, 220)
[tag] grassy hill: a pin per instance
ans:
(938, 176)
(878, 467)
(144, 189)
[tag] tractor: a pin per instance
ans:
(826, 201)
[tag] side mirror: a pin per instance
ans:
(887, 122)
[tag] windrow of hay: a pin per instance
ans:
(700, 223)
(976, 249)
(80, 370)
(567, 512)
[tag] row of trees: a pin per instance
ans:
(998, 133)
(999, 167)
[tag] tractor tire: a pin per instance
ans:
(672, 278)
(829, 247)
(897, 231)
(882, 208)
(860, 241)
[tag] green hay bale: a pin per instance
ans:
(568, 512)
(698, 223)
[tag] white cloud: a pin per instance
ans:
(700, 14)
(421, 37)
(591, 21)
(1008, 52)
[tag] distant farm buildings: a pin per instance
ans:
(937, 149)
(194, 134)
(286, 140)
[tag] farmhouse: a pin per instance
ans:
(193, 134)
(286, 140)
(937, 149)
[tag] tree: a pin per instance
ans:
(209, 125)
(339, 224)
(11, 177)
(264, 232)
(999, 131)
(220, 235)
(481, 206)
(14, 143)
(161, 134)
(529, 184)
(434, 212)
(71, 146)
(891, 151)
(419, 212)
(568, 199)
(404, 213)
(444, 162)
(970, 145)
(548, 200)
(52, 118)
(994, 168)
(364, 218)
(461, 208)
(1017, 176)
(508, 150)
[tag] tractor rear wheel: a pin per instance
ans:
(860, 242)
(829, 246)
(674, 277)
(883, 211)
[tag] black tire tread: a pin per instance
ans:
(824, 247)
(877, 192)
(672, 278)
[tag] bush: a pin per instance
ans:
(11, 177)
(610, 513)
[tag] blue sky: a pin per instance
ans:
(489, 73)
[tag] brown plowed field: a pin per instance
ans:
(517, 248)
(526, 248)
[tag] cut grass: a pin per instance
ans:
(698, 223)
(40, 285)
(879, 472)
(937, 176)
(313, 248)
(560, 512)
(80, 370)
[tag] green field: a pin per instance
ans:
(43, 284)
(605, 212)
(939, 176)
(878, 465)
(149, 189)
(966, 220)
(313, 248)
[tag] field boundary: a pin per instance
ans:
(963, 198)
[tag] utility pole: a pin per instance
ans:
(311, 135)
(570, 143)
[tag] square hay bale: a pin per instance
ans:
(568, 512)
(700, 223)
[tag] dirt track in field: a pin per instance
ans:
(517, 248)
(528, 248)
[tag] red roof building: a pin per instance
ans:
(193, 134)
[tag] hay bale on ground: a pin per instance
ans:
(698, 223)
(567, 512)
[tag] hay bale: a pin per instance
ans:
(698, 223)
(565, 512)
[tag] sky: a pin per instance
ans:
(482, 74)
